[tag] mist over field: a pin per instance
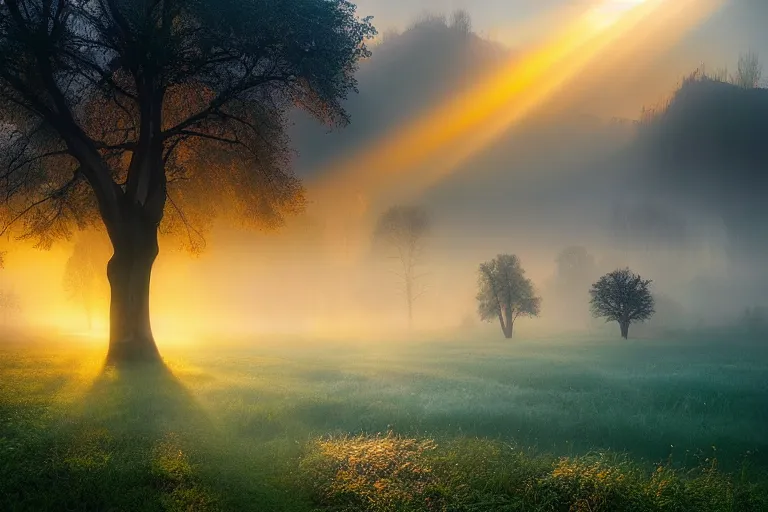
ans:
(488, 256)
(588, 166)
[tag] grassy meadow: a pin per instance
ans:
(468, 423)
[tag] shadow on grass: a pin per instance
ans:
(124, 446)
(134, 439)
(142, 399)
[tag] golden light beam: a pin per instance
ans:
(657, 35)
(437, 142)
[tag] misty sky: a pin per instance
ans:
(739, 25)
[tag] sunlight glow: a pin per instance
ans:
(609, 13)
(416, 155)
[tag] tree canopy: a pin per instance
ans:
(622, 296)
(86, 86)
(505, 293)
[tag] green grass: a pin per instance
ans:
(473, 424)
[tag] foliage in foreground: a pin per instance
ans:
(239, 430)
(392, 473)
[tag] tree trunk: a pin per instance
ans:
(624, 328)
(129, 272)
(409, 297)
(501, 322)
(410, 313)
(509, 324)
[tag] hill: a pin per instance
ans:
(710, 147)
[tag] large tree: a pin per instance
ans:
(403, 231)
(142, 112)
(505, 293)
(624, 297)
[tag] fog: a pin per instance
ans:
(578, 169)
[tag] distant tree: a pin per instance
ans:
(461, 21)
(134, 113)
(719, 74)
(84, 272)
(429, 20)
(749, 71)
(622, 297)
(505, 293)
(402, 230)
(10, 304)
(575, 270)
(389, 35)
(755, 318)
(574, 265)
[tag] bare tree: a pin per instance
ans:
(622, 297)
(145, 114)
(403, 231)
(749, 71)
(461, 20)
(427, 19)
(505, 293)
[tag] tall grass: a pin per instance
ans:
(394, 473)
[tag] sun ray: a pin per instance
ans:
(436, 143)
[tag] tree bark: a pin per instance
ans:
(129, 272)
(624, 324)
(509, 323)
(501, 322)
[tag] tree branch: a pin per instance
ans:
(190, 229)
(56, 194)
(222, 99)
(201, 135)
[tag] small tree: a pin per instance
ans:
(749, 71)
(623, 297)
(505, 293)
(461, 21)
(403, 230)
(10, 304)
(84, 272)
